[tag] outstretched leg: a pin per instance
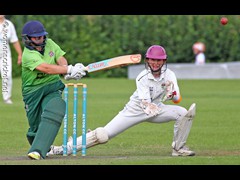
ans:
(97, 136)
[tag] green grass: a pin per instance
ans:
(214, 135)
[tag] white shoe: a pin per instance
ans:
(50, 151)
(184, 151)
(8, 101)
(58, 150)
(55, 150)
(34, 155)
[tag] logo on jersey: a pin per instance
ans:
(40, 75)
(51, 54)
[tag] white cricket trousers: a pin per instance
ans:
(127, 118)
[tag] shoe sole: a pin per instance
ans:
(175, 154)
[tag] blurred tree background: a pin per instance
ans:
(91, 38)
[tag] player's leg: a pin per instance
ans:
(49, 126)
(183, 121)
(121, 122)
(51, 119)
(33, 110)
(6, 74)
(182, 129)
(97, 136)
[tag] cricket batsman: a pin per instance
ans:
(155, 85)
(43, 62)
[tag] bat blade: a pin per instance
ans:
(114, 62)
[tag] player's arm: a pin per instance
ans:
(62, 61)
(71, 72)
(172, 92)
(18, 49)
(53, 68)
(176, 95)
(171, 89)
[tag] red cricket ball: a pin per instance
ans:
(224, 20)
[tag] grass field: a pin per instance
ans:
(214, 135)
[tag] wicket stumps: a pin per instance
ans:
(75, 118)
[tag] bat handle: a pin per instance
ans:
(86, 68)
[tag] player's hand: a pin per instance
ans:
(81, 68)
(169, 91)
(69, 77)
(75, 72)
(150, 108)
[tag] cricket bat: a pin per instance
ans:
(110, 63)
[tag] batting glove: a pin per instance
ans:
(75, 72)
(81, 68)
(69, 77)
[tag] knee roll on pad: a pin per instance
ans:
(97, 136)
(55, 110)
(101, 135)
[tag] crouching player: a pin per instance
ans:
(156, 84)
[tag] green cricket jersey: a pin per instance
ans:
(33, 79)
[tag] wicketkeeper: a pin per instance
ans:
(156, 84)
(43, 62)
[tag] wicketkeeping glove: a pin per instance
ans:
(169, 91)
(150, 108)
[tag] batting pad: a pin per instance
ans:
(50, 124)
(184, 126)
